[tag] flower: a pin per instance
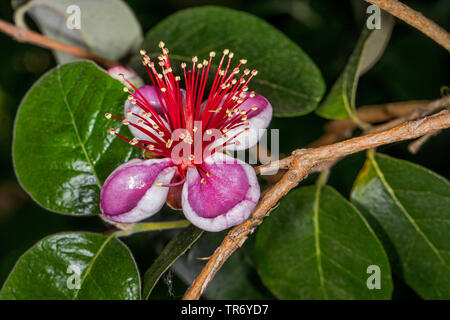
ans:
(187, 138)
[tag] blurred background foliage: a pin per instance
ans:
(413, 67)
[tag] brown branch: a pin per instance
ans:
(415, 19)
(301, 163)
(25, 35)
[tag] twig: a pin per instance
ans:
(300, 164)
(415, 19)
(415, 146)
(25, 35)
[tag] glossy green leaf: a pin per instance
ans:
(237, 278)
(287, 76)
(172, 251)
(409, 209)
(340, 101)
(106, 27)
(62, 148)
(316, 245)
(77, 266)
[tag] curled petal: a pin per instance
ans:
(226, 197)
(129, 74)
(133, 191)
(258, 120)
(259, 115)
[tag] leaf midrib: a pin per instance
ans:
(403, 209)
(83, 148)
(91, 264)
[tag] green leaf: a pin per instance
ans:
(237, 278)
(62, 149)
(172, 251)
(409, 209)
(287, 77)
(107, 27)
(340, 101)
(49, 270)
(316, 245)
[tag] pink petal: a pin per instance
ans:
(131, 194)
(129, 74)
(258, 120)
(226, 199)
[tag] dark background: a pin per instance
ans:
(413, 67)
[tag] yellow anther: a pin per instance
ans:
(142, 52)
(163, 89)
(158, 183)
(191, 157)
(203, 181)
(254, 108)
(108, 115)
(208, 131)
(183, 65)
(209, 174)
(125, 89)
(231, 55)
(151, 147)
(194, 59)
(161, 44)
(177, 78)
(140, 122)
(111, 131)
(243, 61)
(169, 143)
(126, 122)
(129, 112)
(134, 141)
(155, 126)
(244, 118)
(212, 54)
(161, 134)
(195, 129)
(121, 75)
(226, 51)
(246, 71)
(254, 72)
(199, 66)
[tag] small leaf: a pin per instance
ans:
(77, 266)
(107, 27)
(287, 77)
(316, 245)
(340, 101)
(237, 278)
(409, 209)
(172, 251)
(62, 149)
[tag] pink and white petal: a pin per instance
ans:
(132, 192)
(129, 74)
(226, 199)
(258, 120)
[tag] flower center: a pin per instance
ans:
(188, 125)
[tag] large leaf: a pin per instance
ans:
(340, 101)
(49, 270)
(287, 76)
(172, 251)
(316, 245)
(409, 209)
(237, 279)
(62, 149)
(107, 27)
